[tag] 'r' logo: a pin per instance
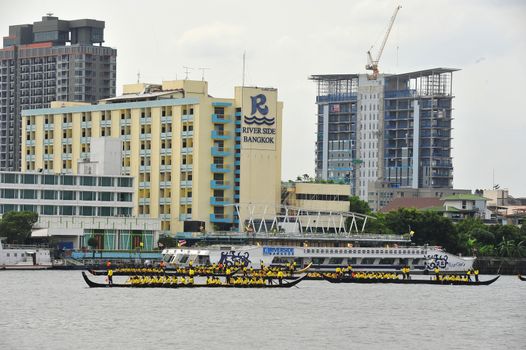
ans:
(258, 103)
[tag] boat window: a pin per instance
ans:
(367, 261)
(351, 261)
(346, 251)
(15, 255)
(317, 261)
(317, 250)
(377, 251)
(417, 262)
(183, 259)
(368, 251)
(381, 251)
(8, 254)
(330, 251)
(387, 261)
(335, 261)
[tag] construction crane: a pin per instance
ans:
(373, 64)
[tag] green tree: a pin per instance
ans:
(359, 206)
(167, 242)
(16, 226)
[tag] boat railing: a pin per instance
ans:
(25, 246)
(302, 235)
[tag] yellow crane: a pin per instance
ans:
(372, 64)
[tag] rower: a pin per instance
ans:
(280, 277)
(437, 272)
(476, 272)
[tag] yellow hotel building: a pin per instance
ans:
(193, 156)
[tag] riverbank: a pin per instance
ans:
(501, 266)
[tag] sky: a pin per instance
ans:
(287, 41)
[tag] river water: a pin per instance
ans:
(56, 310)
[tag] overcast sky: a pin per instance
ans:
(286, 41)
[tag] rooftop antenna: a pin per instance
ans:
(49, 14)
(243, 78)
(202, 69)
(186, 71)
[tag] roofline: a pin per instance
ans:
(419, 73)
(112, 106)
(321, 77)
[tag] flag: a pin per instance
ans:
(181, 243)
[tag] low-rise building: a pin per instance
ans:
(74, 208)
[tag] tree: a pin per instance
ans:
(167, 242)
(16, 226)
(358, 206)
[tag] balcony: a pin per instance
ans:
(167, 119)
(221, 218)
(219, 201)
(219, 168)
(145, 136)
(166, 151)
(219, 185)
(186, 167)
(183, 217)
(145, 152)
(144, 168)
(165, 200)
(220, 119)
(186, 184)
(30, 142)
(85, 125)
(66, 156)
(49, 126)
(166, 167)
(165, 217)
(144, 201)
(144, 184)
(187, 150)
(220, 152)
(145, 120)
(165, 184)
(48, 142)
(104, 123)
(186, 134)
(166, 135)
(220, 135)
(185, 200)
(187, 118)
(125, 122)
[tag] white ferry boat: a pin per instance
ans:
(326, 239)
(325, 254)
(24, 257)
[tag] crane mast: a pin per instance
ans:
(372, 64)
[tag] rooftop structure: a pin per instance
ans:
(46, 61)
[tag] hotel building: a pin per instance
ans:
(395, 129)
(194, 156)
(50, 60)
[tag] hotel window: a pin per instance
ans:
(87, 196)
(49, 180)
(9, 193)
(106, 181)
(105, 211)
(88, 181)
(32, 208)
(49, 194)
(106, 196)
(67, 195)
(48, 210)
(87, 211)
(67, 210)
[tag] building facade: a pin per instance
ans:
(194, 156)
(75, 208)
(50, 60)
(395, 129)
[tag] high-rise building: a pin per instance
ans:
(50, 60)
(395, 129)
(194, 156)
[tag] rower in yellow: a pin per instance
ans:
(476, 272)
(437, 273)
(280, 277)
(110, 277)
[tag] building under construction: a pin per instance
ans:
(394, 129)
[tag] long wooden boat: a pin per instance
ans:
(407, 281)
(285, 284)
(522, 278)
